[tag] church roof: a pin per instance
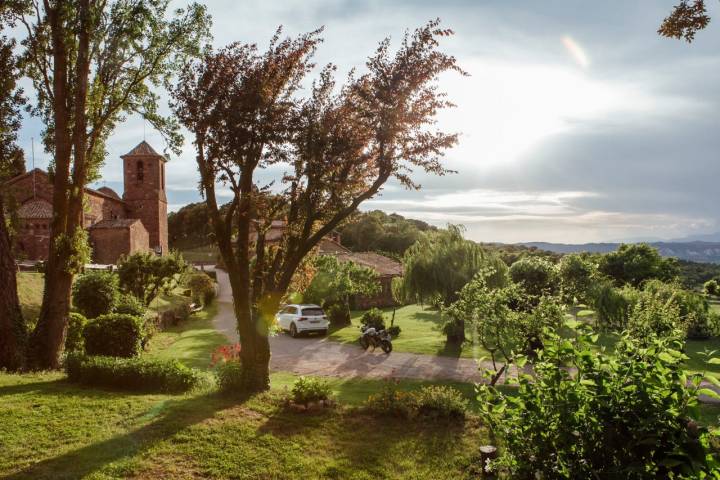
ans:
(109, 192)
(116, 223)
(143, 149)
(35, 209)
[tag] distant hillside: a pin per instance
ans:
(703, 252)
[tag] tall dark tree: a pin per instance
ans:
(93, 62)
(13, 334)
(342, 144)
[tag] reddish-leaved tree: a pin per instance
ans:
(340, 146)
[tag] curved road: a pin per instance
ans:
(319, 356)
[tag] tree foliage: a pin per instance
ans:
(337, 282)
(687, 18)
(144, 274)
(631, 413)
(342, 144)
(442, 262)
(633, 264)
(379, 232)
(536, 275)
(95, 293)
(576, 274)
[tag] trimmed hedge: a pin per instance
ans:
(74, 341)
(114, 335)
(133, 374)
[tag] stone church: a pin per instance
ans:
(116, 226)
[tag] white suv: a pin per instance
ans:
(298, 319)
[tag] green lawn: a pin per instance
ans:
(206, 253)
(30, 286)
(421, 333)
(50, 429)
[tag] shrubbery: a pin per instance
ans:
(630, 414)
(95, 293)
(394, 331)
(338, 314)
(230, 377)
(202, 288)
(373, 318)
(128, 304)
(430, 402)
(307, 389)
(537, 276)
(114, 335)
(135, 374)
(74, 341)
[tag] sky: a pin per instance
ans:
(578, 123)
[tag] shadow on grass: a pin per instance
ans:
(451, 349)
(174, 416)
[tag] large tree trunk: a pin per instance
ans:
(13, 332)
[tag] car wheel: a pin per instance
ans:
(293, 330)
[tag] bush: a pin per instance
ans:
(613, 305)
(128, 304)
(306, 390)
(74, 341)
(230, 377)
(711, 287)
(338, 315)
(693, 308)
(373, 318)
(430, 402)
(134, 374)
(394, 331)
(114, 335)
(202, 288)
(95, 293)
(454, 330)
(537, 275)
(630, 414)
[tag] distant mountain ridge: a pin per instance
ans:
(694, 251)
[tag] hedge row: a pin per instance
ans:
(134, 374)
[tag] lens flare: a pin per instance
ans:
(576, 52)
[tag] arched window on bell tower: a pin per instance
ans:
(140, 171)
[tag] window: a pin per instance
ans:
(313, 312)
(140, 171)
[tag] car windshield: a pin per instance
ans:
(312, 312)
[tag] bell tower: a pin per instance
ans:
(144, 193)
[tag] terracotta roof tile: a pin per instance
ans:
(35, 209)
(384, 266)
(142, 149)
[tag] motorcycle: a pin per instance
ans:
(370, 336)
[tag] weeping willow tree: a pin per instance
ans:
(441, 263)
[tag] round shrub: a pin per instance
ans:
(202, 288)
(394, 331)
(537, 275)
(373, 318)
(114, 335)
(338, 314)
(74, 341)
(95, 293)
(130, 305)
(306, 390)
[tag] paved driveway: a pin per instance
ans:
(318, 356)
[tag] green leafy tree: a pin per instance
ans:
(338, 282)
(711, 287)
(13, 331)
(631, 413)
(377, 231)
(95, 293)
(537, 276)
(633, 264)
(503, 330)
(92, 63)
(577, 275)
(145, 275)
(343, 143)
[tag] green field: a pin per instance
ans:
(206, 254)
(421, 333)
(30, 286)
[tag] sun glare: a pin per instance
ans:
(576, 51)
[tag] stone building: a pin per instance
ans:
(116, 226)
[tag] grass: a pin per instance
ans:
(30, 287)
(50, 429)
(421, 333)
(206, 254)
